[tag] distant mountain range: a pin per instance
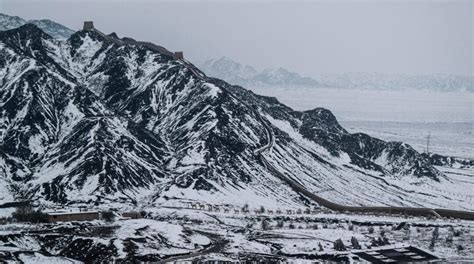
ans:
(236, 73)
(248, 76)
(245, 75)
(52, 28)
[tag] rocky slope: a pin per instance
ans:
(87, 120)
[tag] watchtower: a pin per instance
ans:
(178, 55)
(88, 25)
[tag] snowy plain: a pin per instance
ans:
(180, 234)
(407, 115)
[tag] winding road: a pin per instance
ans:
(415, 211)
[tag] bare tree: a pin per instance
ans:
(434, 237)
(320, 247)
(355, 243)
(371, 229)
(108, 216)
(266, 224)
(26, 213)
(280, 223)
(339, 245)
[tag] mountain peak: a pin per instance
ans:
(87, 121)
(50, 27)
(25, 35)
(234, 72)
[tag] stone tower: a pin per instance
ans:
(88, 25)
(178, 55)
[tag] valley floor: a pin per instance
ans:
(177, 234)
(450, 139)
(406, 115)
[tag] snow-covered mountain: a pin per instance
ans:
(235, 73)
(52, 28)
(95, 119)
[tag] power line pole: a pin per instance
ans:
(428, 143)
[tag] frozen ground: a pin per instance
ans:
(370, 105)
(451, 139)
(406, 116)
(177, 234)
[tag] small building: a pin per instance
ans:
(178, 55)
(132, 215)
(72, 216)
(397, 255)
(88, 25)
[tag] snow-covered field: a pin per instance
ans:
(406, 116)
(177, 234)
(371, 105)
(451, 139)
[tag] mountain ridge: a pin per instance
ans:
(52, 28)
(90, 121)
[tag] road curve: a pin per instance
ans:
(415, 211)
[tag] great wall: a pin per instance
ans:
(89, 26)
(178, 56)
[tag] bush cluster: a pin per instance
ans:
(26, 213)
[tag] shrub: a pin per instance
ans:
(144, 214)
(371, 229)
(381, 241)
(339, 245)
(320, 247)
(291, 226)
(449, 239)
(108, 216)
(280, 223)
(355, 243)
(457, 233)
(434, 238)
(266, 224)
(26, 213)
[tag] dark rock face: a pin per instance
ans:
(87, 120)
(438, 160)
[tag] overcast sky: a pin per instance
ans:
(311, 37)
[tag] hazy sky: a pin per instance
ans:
(311, 37)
